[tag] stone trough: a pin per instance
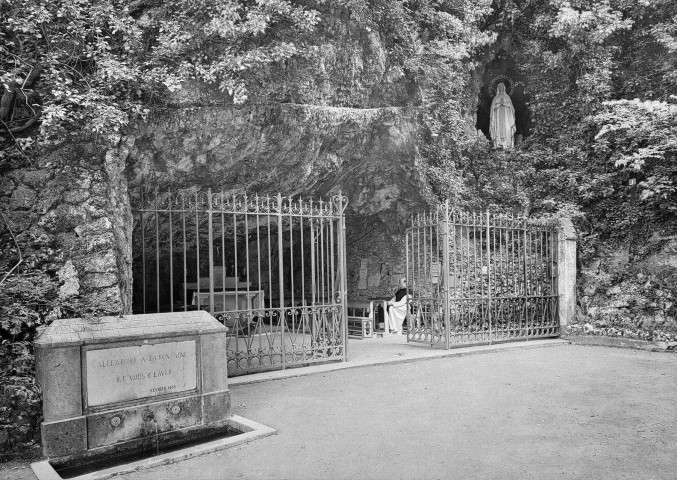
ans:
(123, 392)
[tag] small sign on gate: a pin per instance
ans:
(435, 272)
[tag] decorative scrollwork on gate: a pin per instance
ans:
(340, 203)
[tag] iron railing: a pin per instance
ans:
(480, 278)
(272, 269)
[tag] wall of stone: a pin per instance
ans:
(70, 216)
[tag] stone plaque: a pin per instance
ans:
(122, 374)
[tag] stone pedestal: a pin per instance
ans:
(115, 383)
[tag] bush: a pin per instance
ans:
(28, 300)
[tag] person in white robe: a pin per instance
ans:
(397, 308)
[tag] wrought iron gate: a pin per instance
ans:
(272, 269)
(477, 278)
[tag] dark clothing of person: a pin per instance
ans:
(400, 294)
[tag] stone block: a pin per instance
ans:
(104, 299)
(179, 413)
(19, 221)
(99, 280)
(76, 196)
(6, 185)
(66, 241)
(98, 227)
(101, 263)
(83, 182)
(212, 348)
(98, 200)
(58, 372)
(23, 198)
(104, 241)
(95, 212)
(63, 218)
(47, 200)
(215, 407)
(70, 283)
(33, 178)
(64, 437)
(566, 275)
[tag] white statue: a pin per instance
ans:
(502, 127)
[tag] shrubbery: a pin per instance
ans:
(27, 301)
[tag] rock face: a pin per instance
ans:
(632, 291)
(350, 67)
(313, 151)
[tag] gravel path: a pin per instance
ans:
(541, 413)
(564, 412)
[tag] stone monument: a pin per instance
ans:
(502, 121)
(115, 384)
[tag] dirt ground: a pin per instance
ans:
(563, 412)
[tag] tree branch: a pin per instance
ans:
(6, 101)
(21, 258)
(29, 123)
(11, 132)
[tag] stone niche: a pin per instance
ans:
(503, 69)
(114, 384)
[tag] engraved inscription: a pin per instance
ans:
(129, 373)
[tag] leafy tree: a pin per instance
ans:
(636, 144)
(72, 65)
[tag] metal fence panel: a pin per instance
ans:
(480, 278)
(272, 269)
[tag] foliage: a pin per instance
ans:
(581, 57)
(27, 301)
(21, 401)
(441, 63)
(636, 143)
(94, 66)
(597, 143)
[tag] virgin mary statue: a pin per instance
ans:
(502, 127)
